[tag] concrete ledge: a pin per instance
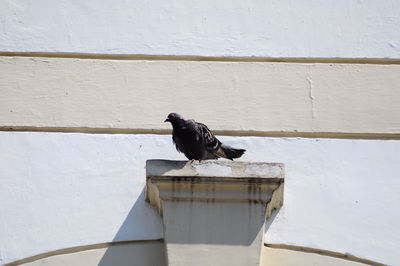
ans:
(215, 181)
(227, 169)
(218, 207)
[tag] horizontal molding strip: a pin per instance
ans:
(331, 135)
(78, 249)
(236, 97)
(109, 244)
(378, 61)
(325, 253)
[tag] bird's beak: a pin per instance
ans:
(167, 120)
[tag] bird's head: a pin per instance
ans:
(174, 117)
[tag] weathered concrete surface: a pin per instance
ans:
(214, 211)
(209, 168)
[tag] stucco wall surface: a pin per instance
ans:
(149, 253)
(61, 190)
(274, 28)
(284, 257)
(152, 254)
(54, 92)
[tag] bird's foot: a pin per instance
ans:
(193, 160)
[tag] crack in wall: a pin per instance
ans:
(311, 95)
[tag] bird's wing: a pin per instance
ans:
(176, 146)
(206, 137)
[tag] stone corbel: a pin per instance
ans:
(214, 212)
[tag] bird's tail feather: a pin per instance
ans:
(232, 153)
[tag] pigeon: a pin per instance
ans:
(197, 142)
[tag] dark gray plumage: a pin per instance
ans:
(197, 142)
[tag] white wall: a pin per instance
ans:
(62, 190)
(273, 28)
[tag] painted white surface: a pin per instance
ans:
(63, 190)
(56, 92)
(66, 190)
(274, 28)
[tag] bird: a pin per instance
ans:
(197, 142)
